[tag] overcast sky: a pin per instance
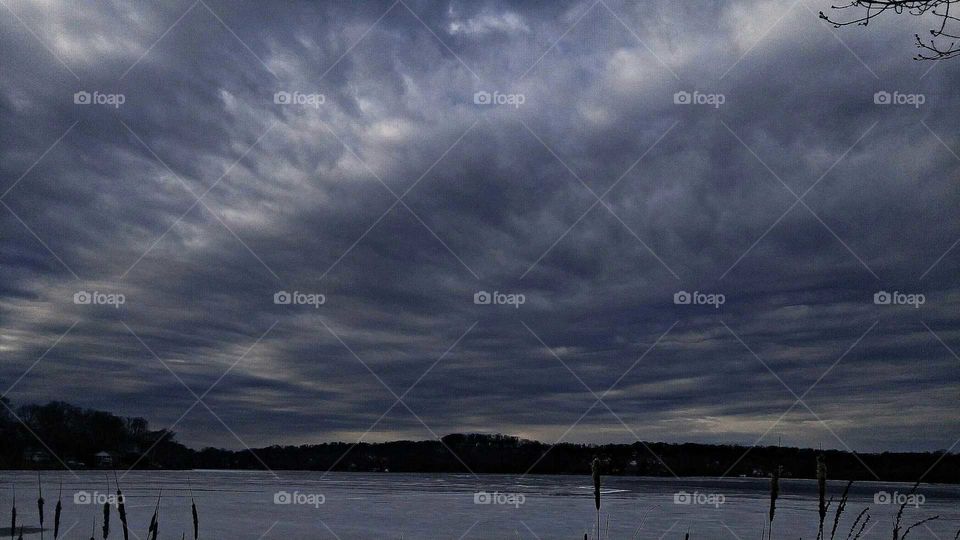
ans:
(390, 184)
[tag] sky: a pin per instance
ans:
(281, 223)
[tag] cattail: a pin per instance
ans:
(106, 520)
(196, 520)
(154, 522)
(106, 514)
(121, 508)
(193, 510)
(595, 469)
(840, 508)
(774, 493)
(56, 512)
(40, 502)
(13, 519)
(822, 491)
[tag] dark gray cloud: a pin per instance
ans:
(494, 197)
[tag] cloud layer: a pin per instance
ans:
(627, 152)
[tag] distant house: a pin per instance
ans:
(36, 457)
(104, 459)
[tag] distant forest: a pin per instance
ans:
(82, 438)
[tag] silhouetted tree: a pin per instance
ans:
(943, 41)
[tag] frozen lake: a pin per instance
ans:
(311, 505)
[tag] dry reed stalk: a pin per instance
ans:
(154, 529)
(56, 512)
(595, 470)
(917, 524)
(774, 494)
(106, 514)
(840, 507)
(193, 510)
(13, 513)
(121, 508)
(40, 503)
(896, 525)
(856, 521)
(822, 492)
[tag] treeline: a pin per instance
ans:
(77, 436)
(58, 434)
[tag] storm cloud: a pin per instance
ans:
(398, 158)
